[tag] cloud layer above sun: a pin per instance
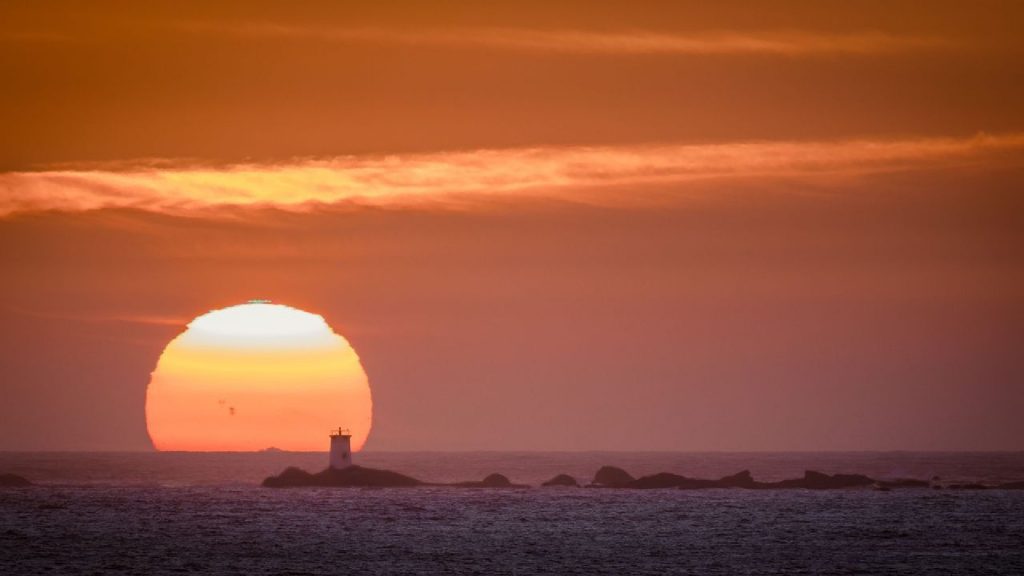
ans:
(567, 41)
(603, 175)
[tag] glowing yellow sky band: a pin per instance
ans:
(255, 376)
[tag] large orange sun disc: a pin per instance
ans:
(255, 376)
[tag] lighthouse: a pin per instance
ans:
(341, 449)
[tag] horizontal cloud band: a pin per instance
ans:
(582, 174)
(628, 42)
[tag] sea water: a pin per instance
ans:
(173, 513)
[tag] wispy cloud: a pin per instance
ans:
(582, 174)
(142, 319)
(567, 41)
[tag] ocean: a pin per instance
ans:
(174, 513)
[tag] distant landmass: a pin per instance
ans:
(606, 477)
(613, 477)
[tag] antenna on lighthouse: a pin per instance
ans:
(341, 449)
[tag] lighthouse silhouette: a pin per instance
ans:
(341, 449)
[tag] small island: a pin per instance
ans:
(562, 480)
(342, 472)
(349, 476)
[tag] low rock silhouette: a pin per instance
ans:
(738, 480)
(351, 476)
(13, 481)
(611, 476)
(562, 480)
(491, 481)
(606, 477)
(669, 480)
(814, 480)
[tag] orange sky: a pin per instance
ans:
(542, 225)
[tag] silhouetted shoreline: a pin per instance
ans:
(617, 478)
(351, 476)
(359, 476)
(607, 477)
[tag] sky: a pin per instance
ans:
(541, 225)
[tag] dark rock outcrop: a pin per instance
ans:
(819, 481)
(738, 480)
(613, 477)
(13, 481)
(669, 480)
(813, 480)
(609, 476)
(561, 480)
(491, 481)
(290, 477)
(496, 481)
(351, 476)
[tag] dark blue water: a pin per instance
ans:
(180, 513)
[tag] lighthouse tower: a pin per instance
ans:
(341, 449)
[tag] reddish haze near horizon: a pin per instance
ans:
(542, 225)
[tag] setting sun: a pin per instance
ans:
(255, 376)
